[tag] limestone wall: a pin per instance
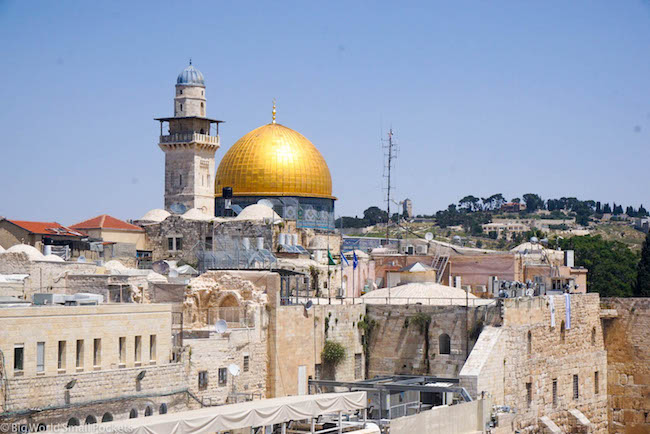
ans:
(550, 354)
(399, 346)
(628, 364)
(218, 352)
(463, 418)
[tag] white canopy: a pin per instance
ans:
(248, 414)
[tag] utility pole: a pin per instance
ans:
(390, 153)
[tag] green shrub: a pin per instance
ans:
(333, 353)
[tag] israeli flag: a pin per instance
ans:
(355, 260)
(344, 259)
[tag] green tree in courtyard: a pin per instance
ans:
(643, 271)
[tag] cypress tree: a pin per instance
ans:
(643, 273)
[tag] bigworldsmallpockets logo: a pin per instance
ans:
(60, 428)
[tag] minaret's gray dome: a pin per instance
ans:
(191, 77)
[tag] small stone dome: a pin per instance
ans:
(190, 77)
(155, 215)
(258, 212)
(32, 252)
(196, 214)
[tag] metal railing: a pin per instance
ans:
(235, 317)
(189, 138)
(425, 301)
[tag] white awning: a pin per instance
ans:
(248, 414)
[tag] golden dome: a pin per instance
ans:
(274, 160)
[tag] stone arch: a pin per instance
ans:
(133, 414)
(444, 344)
(90, 419)
(73, 421)
(148, 411)
(107, 417)
(229, 299)
(163, 408)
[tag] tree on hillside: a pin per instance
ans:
(642, 211)
(643, 271)
(470, 203)
(612, 265)
(375, 215)
(607, 209)
(533, 202)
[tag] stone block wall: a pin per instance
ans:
(628, 364)
(534, 355)
(399, 346)
(220, 351)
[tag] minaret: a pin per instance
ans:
(189, 147)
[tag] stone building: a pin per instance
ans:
(40, 234)
(89, 364)
(189, 146)
(547, 365)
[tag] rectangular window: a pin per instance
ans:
(80, 353)
(179, 243)
(19, 357)
(246, 363)
(529, 393)
(358, 366)
(40, 356)
(223, 376)
(555, 392)
(138, 349)
(317, 371)
(576, 391)
(170, 244)
(152, 348)
(61, 356)
(122, 350)
(596, 385)
(208, 243)
(203, 380)
(97, 352)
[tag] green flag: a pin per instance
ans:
(330, 258)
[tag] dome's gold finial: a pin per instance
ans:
(273, 110)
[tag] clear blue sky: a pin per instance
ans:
(551, 97)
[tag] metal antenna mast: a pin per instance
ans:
(390, 153)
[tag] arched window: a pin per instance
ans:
(107, 417)
(163, 409)
(530, 343)
(90, 419)
(562, 332)
(593, 337)
(180, 180)
(133, 414)
(180, 92)
(148, 411)
(73, 421)
(444, 343)
(181, 109)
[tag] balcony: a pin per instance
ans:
(189, 138)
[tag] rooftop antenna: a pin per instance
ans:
(390, 153)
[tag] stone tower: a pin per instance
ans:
(189, 145)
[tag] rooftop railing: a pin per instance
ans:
(189, 138)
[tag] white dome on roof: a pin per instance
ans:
(32, 252)
(155, 215)
(53, 258)
(196, 214)
(258, 212)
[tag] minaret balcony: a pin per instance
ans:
(187, 138)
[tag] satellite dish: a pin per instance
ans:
(160, 267)
(178, 208)
(308, 305)
(81, 259)
(221, 326)
(428, 236)
(234, 370)
(173, 273)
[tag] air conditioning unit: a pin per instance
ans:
(421, 249)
